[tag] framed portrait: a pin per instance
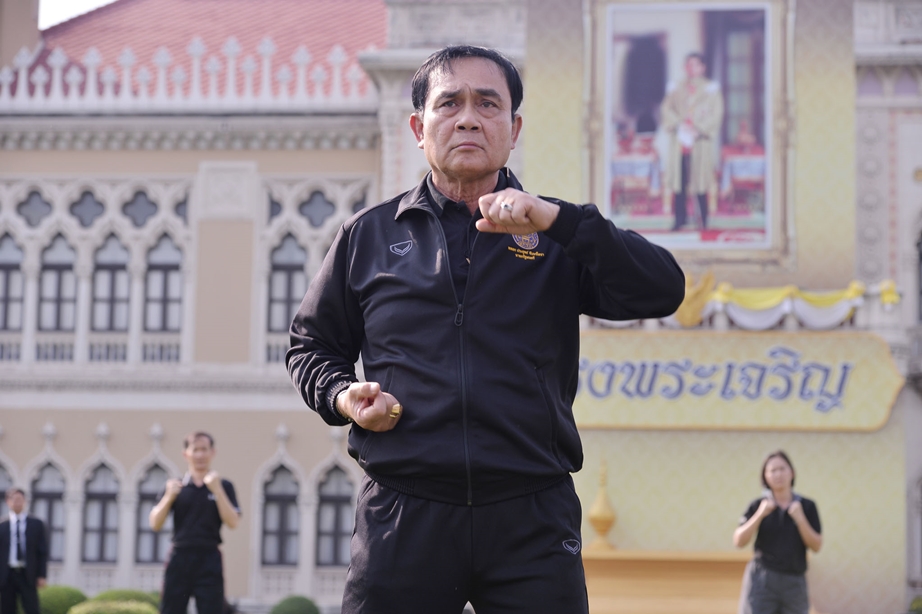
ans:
(694, 100)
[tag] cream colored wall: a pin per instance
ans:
(824, 184)
(244, 441)
(555, 146)
(223, 314)
(148, 162)
(686, 490)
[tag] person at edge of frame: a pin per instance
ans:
(201, 503)
(23, 556)
(463, 298)
(785, 524)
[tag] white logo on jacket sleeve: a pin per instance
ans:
(402, 248)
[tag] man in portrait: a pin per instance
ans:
(691, 117)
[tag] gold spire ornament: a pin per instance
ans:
(601, 514)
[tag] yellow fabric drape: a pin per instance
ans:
(828, 299)
(698, 294)
(757, 299)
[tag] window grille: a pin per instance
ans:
(48, 505)
(11, 284)
(150, 546)
(163, 297)
(57, 287)
(287, 283)
(281, 519)
(335, 519)
(111, 287)
(100, 517)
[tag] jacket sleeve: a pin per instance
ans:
(326, 335)
(622, 275)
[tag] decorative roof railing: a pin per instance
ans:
(228, 83)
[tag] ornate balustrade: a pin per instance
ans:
(277, 345)
(54, 347)
(161, 347)
(47, 83)
(108, 347)
(10, 346)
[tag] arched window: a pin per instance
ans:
(5, 482)
(335, 518)
(58, 289)
(163, 300)
(48, 505)
(152, 547)
(100, 517)
(10, 284)
(287, 283)
(111, 287)
(281, 519)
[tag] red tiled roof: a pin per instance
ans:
(147, 25)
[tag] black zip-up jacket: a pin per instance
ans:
(486, 380)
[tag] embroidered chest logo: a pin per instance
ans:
(572, 545)
(401, 249)
(526, 241)
(526, 247)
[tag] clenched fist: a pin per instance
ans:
(212, 480)
(172, 488)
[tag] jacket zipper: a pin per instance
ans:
(459, 320)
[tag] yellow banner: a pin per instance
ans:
(835, 381)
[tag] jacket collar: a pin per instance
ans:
(418, 197)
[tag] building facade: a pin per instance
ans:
(167, 193)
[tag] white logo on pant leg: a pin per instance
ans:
(402, 248)
(572, 545)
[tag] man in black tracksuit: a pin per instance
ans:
(201, 503)
(463, 298)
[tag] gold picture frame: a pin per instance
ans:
(638, 51)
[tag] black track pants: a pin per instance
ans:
(416, 556)
(193, 572)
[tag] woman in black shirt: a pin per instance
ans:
(785, 524)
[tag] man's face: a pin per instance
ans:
(16, 502)
(694, 67)
(199, 454)
(466, 129)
